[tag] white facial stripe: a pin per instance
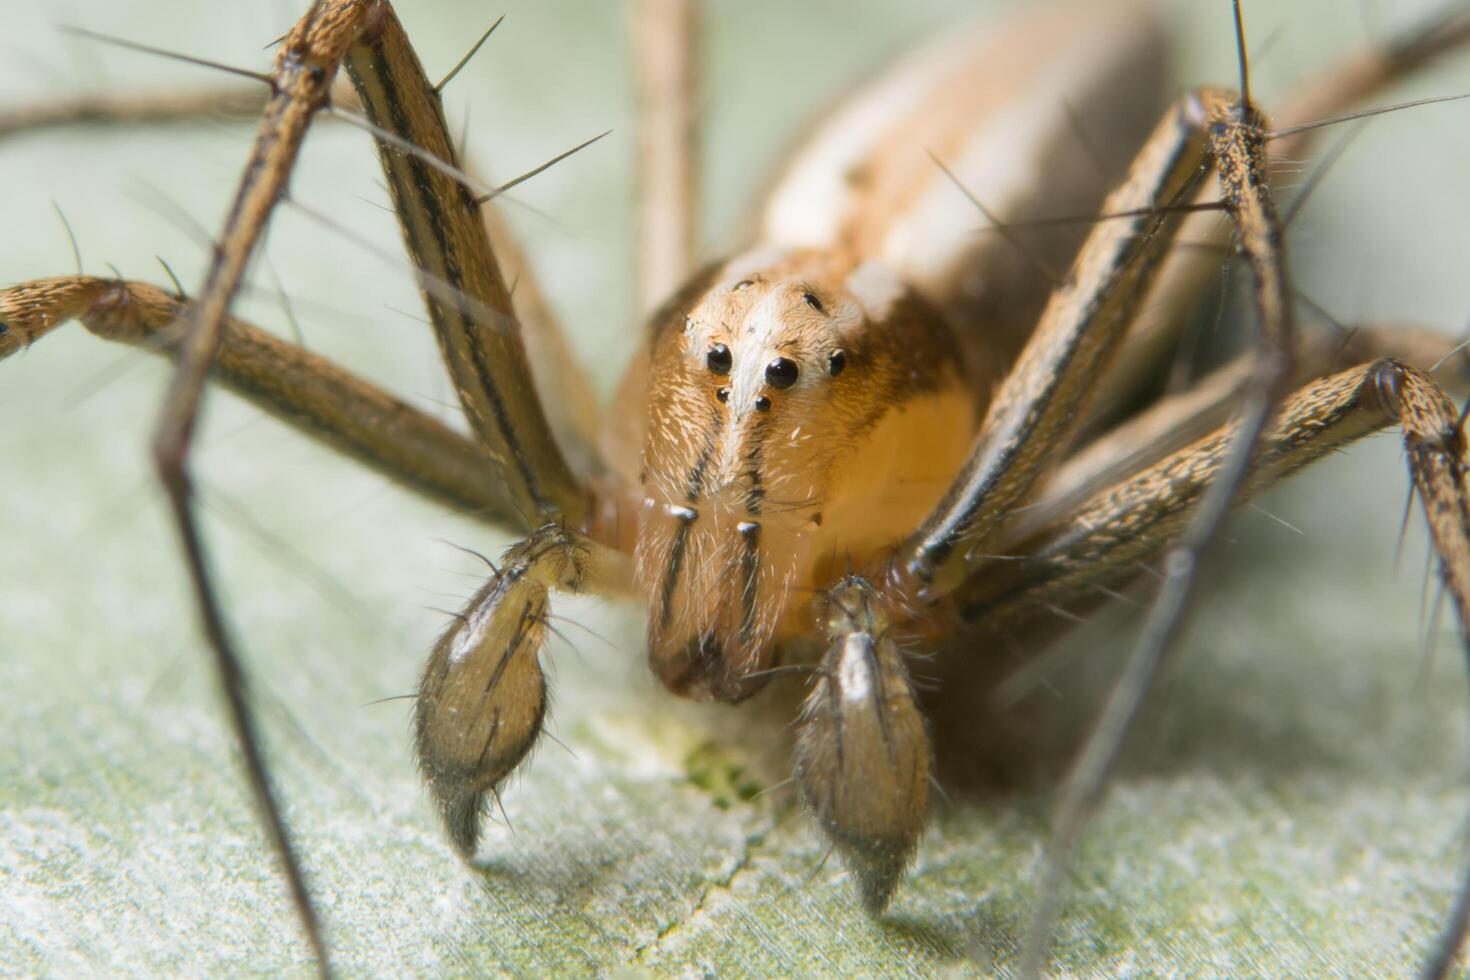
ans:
(763, 326)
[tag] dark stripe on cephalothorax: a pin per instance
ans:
(449, 270)
(750, 569)
(750, 531)
(692, 489)
(671, 575)
(755, 493)
(694, 485)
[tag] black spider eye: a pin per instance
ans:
(723, 394)
(718, 359)
(811, 300)
(762, 403)
(781, 373)
(836, 361)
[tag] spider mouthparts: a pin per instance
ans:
(702, 670)
(863, 757)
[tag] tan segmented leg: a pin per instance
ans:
(568, 397)
(243, 102)
(666, 69)
(1237, 144)
(1161, 506)
(305, 66)
(296, 386)
(1176, 421)
(461, 281)
(1103, 538)
(1189, 272)
(1036, 409)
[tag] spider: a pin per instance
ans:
(845, 369)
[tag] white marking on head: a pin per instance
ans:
(764, 326)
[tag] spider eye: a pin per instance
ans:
(762, 403)
(718, 359)
(742, 284)
(836, 361)
(723, 394)
(811, 300)
(781, 373)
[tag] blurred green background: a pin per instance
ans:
(1294, 803)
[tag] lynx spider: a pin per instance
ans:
(246, 632)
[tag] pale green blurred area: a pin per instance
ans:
(1293, 804)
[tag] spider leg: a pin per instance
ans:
(1237, 140)
(1098, 535)
(300, 83)
(1106, 537)
(235, 102)
(1036, 408)
(1189, 272)
(1178, 420)
(666, 62)
(569, 399)
(306, 391)
(464, 290)
(483, 696)
(470, 305)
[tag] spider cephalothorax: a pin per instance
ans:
(801, 418)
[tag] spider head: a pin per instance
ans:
(786, 400)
